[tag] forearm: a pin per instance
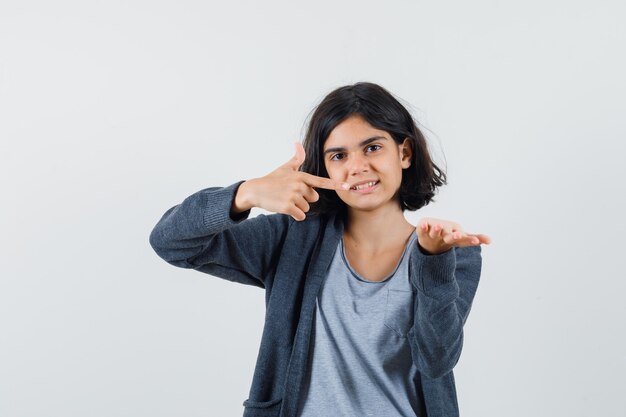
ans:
(183, 229)
(446, 285)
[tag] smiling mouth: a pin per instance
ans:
(365, 187)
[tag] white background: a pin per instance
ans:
(112, 112)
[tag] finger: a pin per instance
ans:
(301, 203)
(476, 239)
(297, 160)
(483, 238)
(454, 236)
(451, 238)
(456, 228)
(472, 239)
(323, 182)
(300, 155)
(435, 231)
(311, 195)
(296, 213)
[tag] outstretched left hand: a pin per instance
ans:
(436, 236)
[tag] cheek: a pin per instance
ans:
(329, 170)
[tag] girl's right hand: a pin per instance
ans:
(284, 190)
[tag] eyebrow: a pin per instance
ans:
(363, 143)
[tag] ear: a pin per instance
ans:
(406, 153)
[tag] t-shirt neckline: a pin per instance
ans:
(388, 277)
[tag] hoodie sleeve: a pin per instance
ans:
(200, 234)
(446, 284)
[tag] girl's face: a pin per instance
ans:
(358, 153)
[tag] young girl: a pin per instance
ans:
(364, 311)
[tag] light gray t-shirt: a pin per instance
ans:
(360, 360)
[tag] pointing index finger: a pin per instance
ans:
(326, 183)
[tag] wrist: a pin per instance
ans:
(242, 201)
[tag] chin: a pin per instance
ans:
(370, 205)
(364, 207)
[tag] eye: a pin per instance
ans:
(375, 146)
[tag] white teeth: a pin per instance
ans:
(360, 187)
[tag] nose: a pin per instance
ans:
(357, 164)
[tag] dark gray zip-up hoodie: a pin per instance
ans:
(289, 259)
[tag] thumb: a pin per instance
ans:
(297, 160)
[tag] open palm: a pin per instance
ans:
(436, 236)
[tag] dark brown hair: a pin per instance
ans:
(384, 112)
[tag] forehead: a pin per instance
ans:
(352, 131)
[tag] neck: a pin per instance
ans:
(377, 230)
